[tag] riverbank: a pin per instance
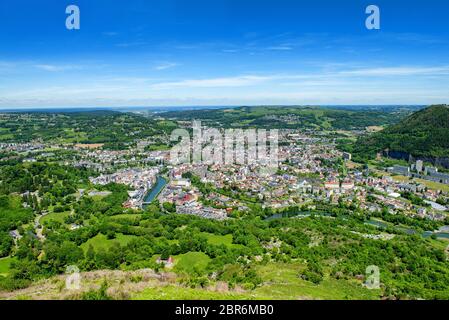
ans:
(160, 184)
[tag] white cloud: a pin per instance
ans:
(213, 82)
(398, 71)
(317, 83)
(280, 48)
(56, 68)
(166, 65)
(229, 51)
(339, 77)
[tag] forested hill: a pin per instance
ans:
(424, 133)
(295, 117)
(113, 129)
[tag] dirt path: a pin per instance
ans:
(38, 227)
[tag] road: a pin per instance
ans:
(38, 227)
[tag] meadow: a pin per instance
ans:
(101, 241)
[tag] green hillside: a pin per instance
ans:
(293, 117)
(423, 134)
(113, 129)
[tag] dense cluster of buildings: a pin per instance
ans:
(308, 173)
(310, 170)
(140, 180)
(418, 170)
(197, 209)
(22, 147)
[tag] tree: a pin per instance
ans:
(170, 207)
(6, 243)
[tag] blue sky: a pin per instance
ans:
(222, 52)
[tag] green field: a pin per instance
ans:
(60, 217)
(219, 239)
(101, 241)
(5, 264)
(284, 283)
(70, 136)
(5, 137)
(190, 261)
(125, 216)
(172, 292)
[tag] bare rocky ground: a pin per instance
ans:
(121, 284)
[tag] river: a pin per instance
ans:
(425, 234)
(301, 214)
(161, 182)
(440, 234)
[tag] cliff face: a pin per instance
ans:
(436, 161)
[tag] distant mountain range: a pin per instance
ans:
(158, 109)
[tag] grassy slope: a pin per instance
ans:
(284, 283)
(60, 217)
(219, 239)
(189, 261)
(101, 241)
(5, 265)
(180, 293)
(281, 282)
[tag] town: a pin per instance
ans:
(132, 201)
(311, 170)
